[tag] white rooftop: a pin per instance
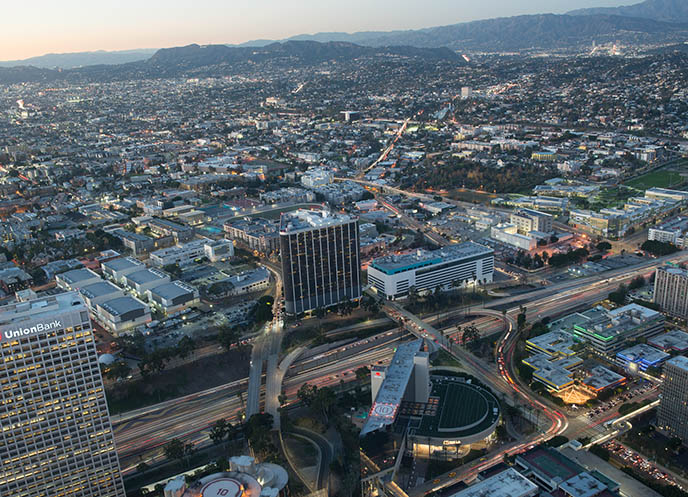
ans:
(391, 264)
(679, 362)
(43, 308)
(509, 483)
(303, 219)
(675, 340)
(123, 263)
(384, 409)
(583, 485)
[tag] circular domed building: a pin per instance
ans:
(458, 415)
(107, 359)
(245, 479)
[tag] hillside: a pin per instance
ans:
(659, 10)
(80, 59)
(218, 60)
(528, 32)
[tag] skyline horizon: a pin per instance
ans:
(271, 26)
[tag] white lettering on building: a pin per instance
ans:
(37, 328)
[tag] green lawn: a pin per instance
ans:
(465, 195)
(656, 179)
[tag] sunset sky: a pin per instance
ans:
(31, 27)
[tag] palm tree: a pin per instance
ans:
(412, 296)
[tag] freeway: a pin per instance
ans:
(190, 417)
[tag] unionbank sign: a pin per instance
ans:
(36, 328)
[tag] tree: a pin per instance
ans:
(659, 249)
(173, 270)
(470, 334)
(141, 467)
(674, 444)
(263, 311)
(227, 336)
(521, 321)
(557, 441)
(185, 347)
(307, 393)
(282, 399)
(362, 373)
(604, 246)
(412, 295)
(323, 401)
(637, 282)
(177, 450)
(218, 431)
(501, 433)
(257, 431)
(119, 369)
(600, 452)
(619, 295)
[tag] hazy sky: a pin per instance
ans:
(36, 27)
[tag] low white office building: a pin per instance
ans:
(507, 233)
(98, 293)
(142, 281)
(122, 314)
(219, 250)
(172, 297)
(77, 278)
(179, 254)
(461, 264)
(118, 269)
(250, 281)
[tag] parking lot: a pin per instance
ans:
(628, 396)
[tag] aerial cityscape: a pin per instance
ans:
(406, 260)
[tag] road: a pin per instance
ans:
(273, 386)
(554, 300)
(267, 347)
(388, 148)
(325, 454)
(145, 431)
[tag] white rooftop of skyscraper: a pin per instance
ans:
(43, 308)
(304, 219)
(679, 361)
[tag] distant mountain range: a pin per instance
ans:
(81, 59)
(652, 22)
(649, 22)
(531, 32)
(217, 60)
(659, 10)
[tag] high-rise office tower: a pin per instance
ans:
(671, 291)
(672, 415)
(55, 433)
(320, 259)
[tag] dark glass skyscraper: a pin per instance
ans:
(320, 259)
